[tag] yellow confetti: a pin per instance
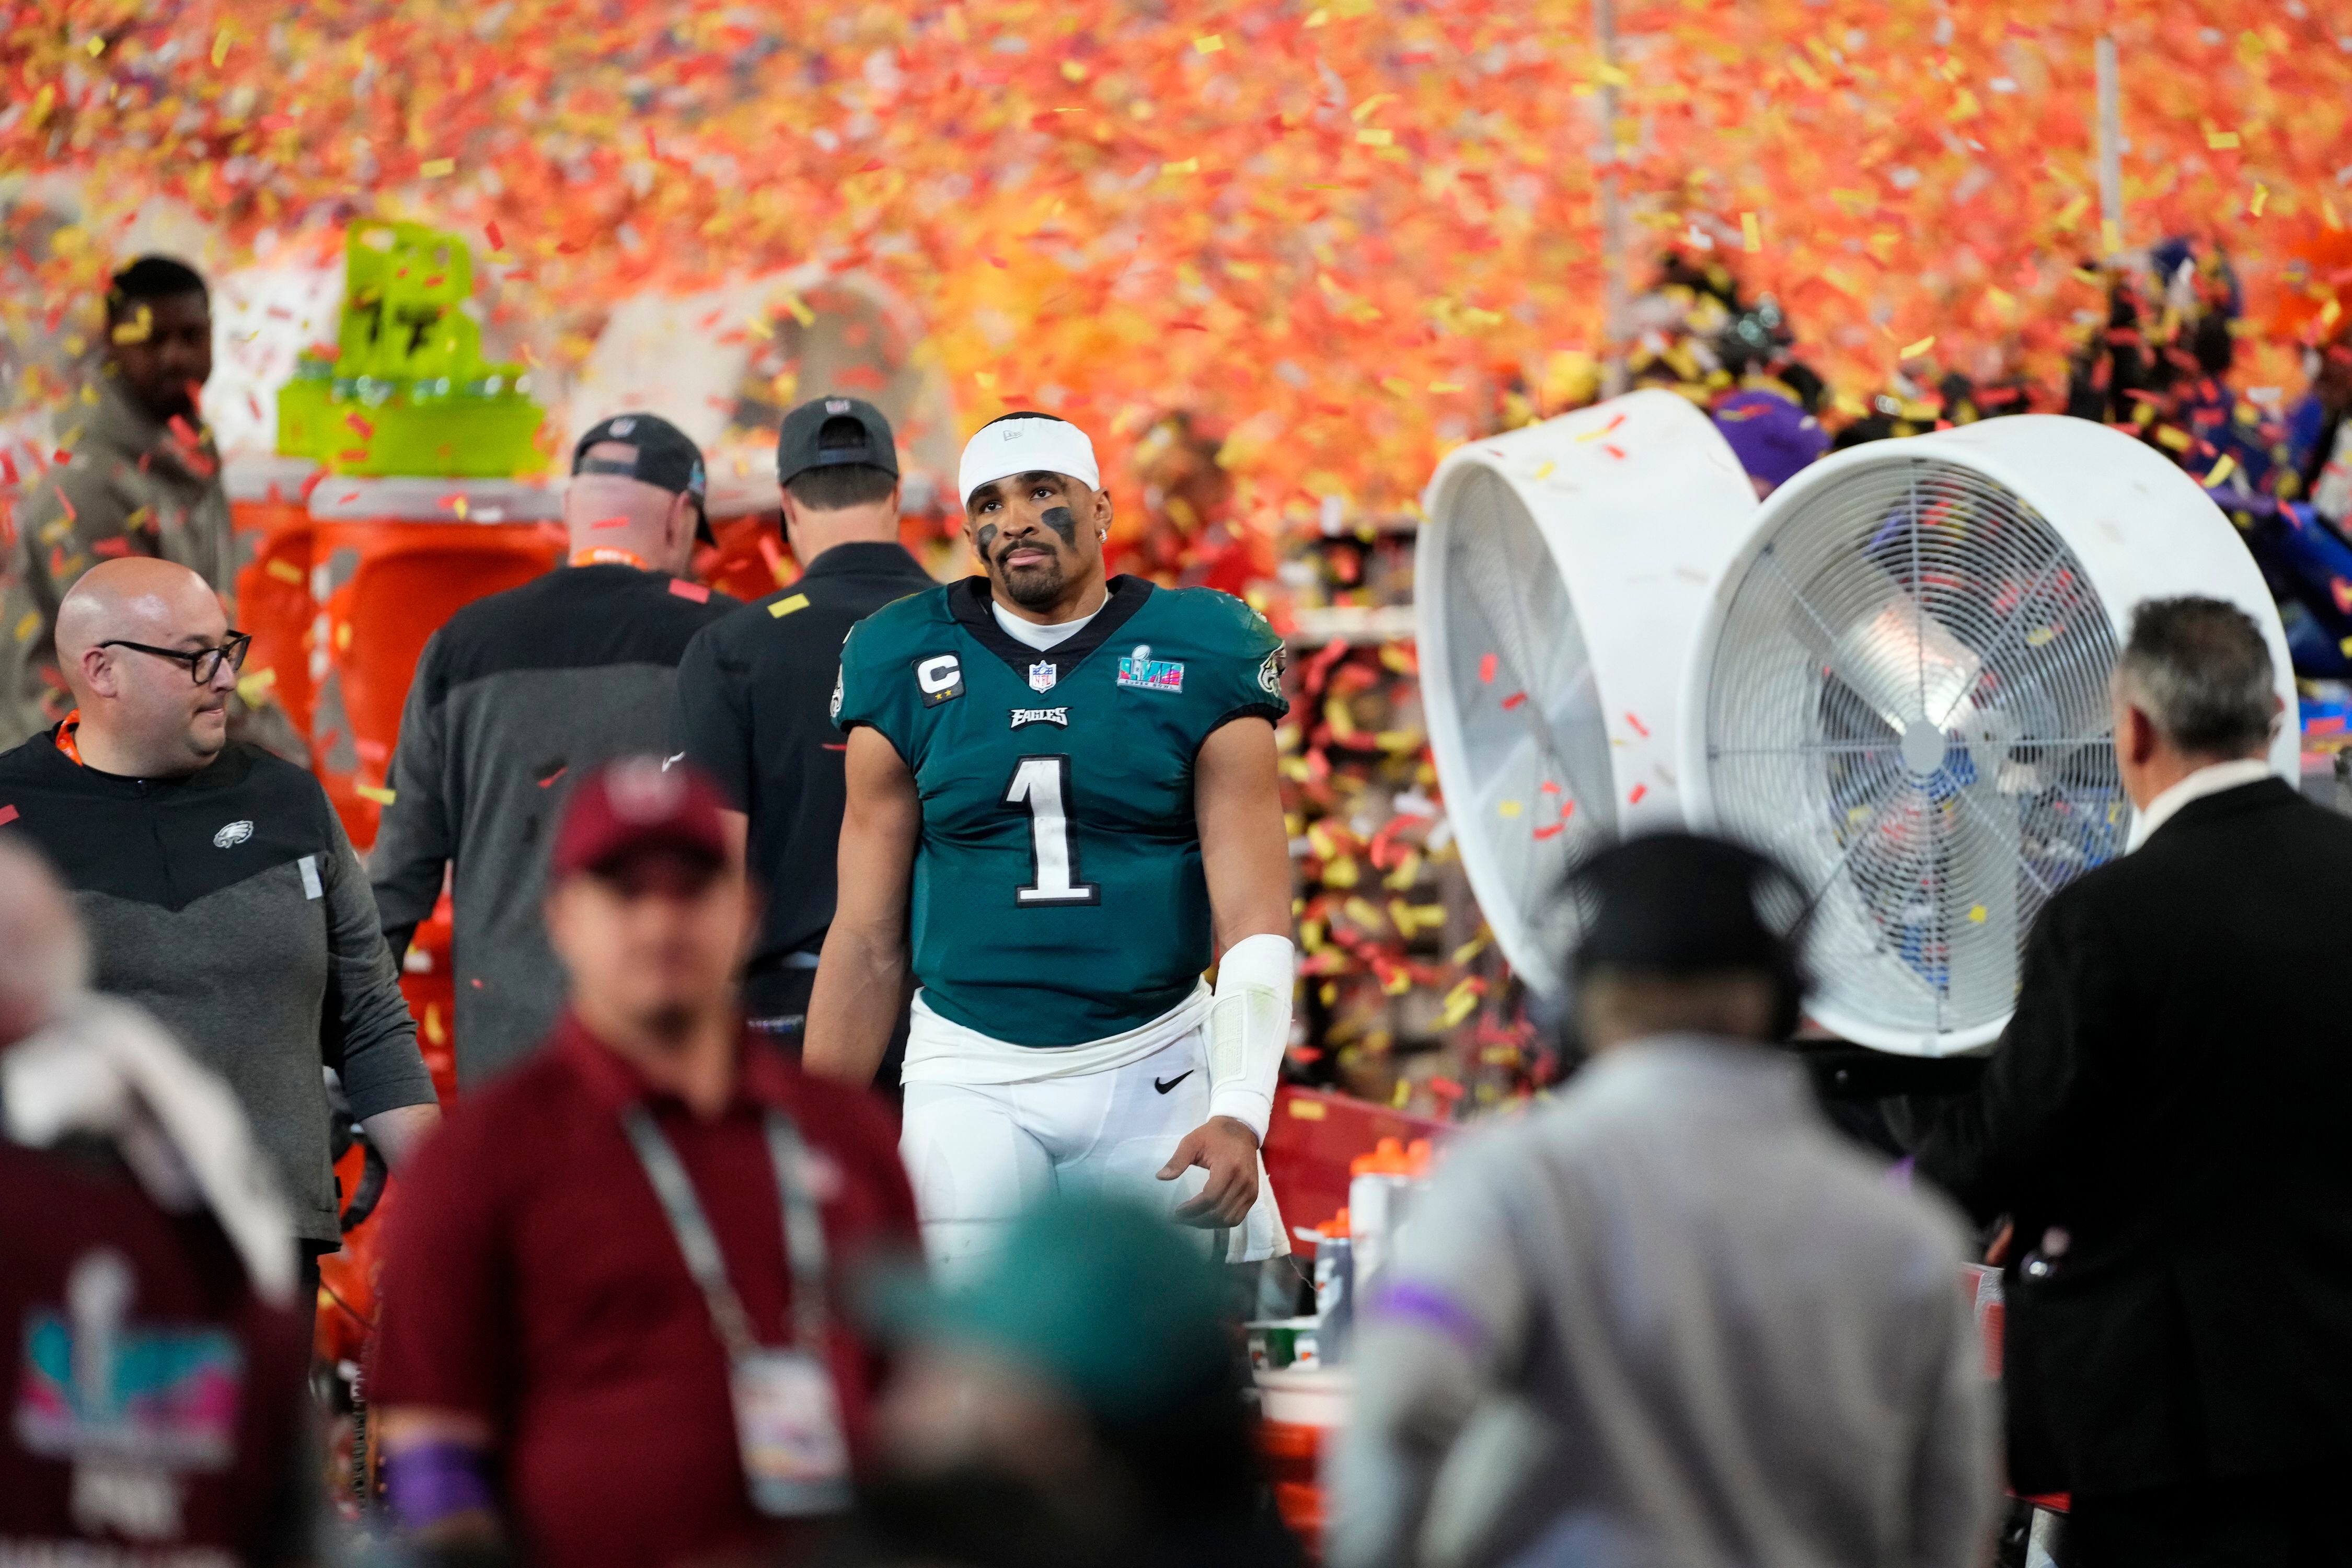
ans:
(1370, 106)
(434, 168)
(1751, 232)
(1473, 948)
(2175, 438)
(2327, 211)
(1073, 71)
(137, 330)
(784, 607)
(1403, 1093)
(2262, 195)
(1209, 43)
(1508, 808)
(800, 311)
(370, 792)
(2072, 213)
(1319, 17)
(1305, 1110)
(96, 47)
(1611, 75)
(1445, 386)
(43, 101)
(254, 686)
(1397, 385)
(27, 624)
(2111, 236)
(1543, 470)
(1460, 1003)
(1915, 349)
(1188, 166)
(1976, 912)
(220, 48)
(2040, 635)
(435, 1032)
(2220, 140)
(2222, 470)
(1363, 912)
(1376, 136)
(285, 571)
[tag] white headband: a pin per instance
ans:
(1032, 444)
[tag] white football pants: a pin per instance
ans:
(980, 1155)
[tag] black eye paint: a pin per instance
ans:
(986, 537)
(1059, 520)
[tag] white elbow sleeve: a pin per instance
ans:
(1249, 1029)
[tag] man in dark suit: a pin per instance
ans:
(2164, 1126)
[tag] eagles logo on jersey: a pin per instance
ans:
(1059, 895)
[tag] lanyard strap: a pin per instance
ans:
(804, 1231)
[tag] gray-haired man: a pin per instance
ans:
(2163, 1123)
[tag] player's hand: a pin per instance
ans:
(1227, 1149)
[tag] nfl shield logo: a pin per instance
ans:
(1042, 676)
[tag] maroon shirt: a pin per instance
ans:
(531, 1279)
(207, 1382)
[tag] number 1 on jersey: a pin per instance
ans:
(1043, 786)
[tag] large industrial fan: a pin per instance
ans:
(1558, 582)
(1900, 688)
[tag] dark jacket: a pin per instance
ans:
(754, 710)
(516, 699)
(229, 905)
(2172, 1095)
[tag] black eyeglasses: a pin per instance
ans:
(203, 663)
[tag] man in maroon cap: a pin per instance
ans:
(613, 1327)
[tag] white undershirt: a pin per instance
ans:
(1045, 636)
(2210, 779)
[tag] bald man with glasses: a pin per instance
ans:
(219, 889)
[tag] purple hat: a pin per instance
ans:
(1772, 436)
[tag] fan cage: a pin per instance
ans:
(1906, 702)
(1527, 713)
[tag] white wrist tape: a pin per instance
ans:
(1249, 1029)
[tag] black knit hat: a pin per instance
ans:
(1678, 903)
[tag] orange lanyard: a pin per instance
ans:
(66, 741)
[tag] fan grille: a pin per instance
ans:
(1534, 738)
(1907, 703)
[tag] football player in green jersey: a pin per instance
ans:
(1061, 789)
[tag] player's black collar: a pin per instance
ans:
(968, 602)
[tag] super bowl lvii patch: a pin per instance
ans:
(1145, 673)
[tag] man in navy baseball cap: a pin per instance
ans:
(754, 692)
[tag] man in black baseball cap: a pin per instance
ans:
(516, 697)
(1749, 1344)
(650, 451)
(755, 691)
